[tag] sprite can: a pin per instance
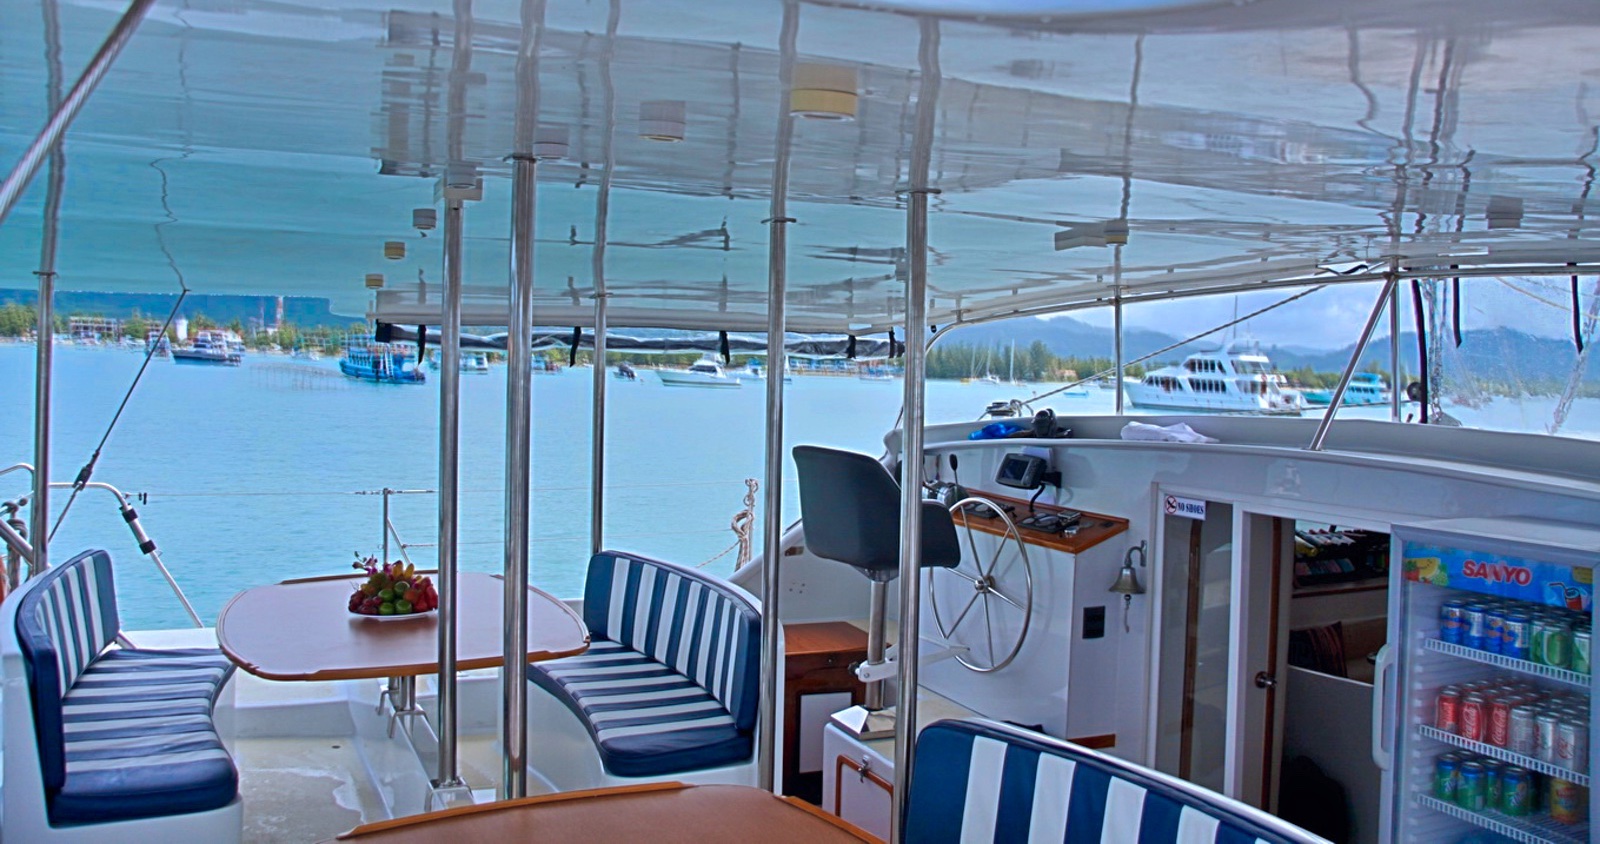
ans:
(1516, 791)
(1445, 769)
(1471, 793)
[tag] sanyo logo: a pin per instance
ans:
(1497, 572)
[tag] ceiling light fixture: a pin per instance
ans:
(424, 219)
(662, 120)
(374, 281)
(394, 250)
(823, 92)
(550, 142)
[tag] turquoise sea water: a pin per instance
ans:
(250, 472)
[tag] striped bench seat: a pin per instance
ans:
(669, 683)
(976, 780)
(121, 733)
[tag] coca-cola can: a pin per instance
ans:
(1474, 717)
(1498, 732)
(1447, 710)
(1572, 745)
(1544, 736)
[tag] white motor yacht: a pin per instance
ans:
(1227, 379)
(705, 372)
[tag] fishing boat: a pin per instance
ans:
(381, 363)
(210, 347)
(1365, 388)
(1230, 379)
(705, 372)
(1285, 615)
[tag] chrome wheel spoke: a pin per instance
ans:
(964, 610)
(1002, 596)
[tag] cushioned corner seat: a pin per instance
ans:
(976, 780)
(669, 683)
(122, 734)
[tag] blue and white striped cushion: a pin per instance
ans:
(668, 684)
(139, 739)
(122, 734)
(983, 782)
(682, 618)
(646, 718)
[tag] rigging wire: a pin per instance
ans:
(186, 150)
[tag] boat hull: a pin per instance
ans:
(1143, 395)
(191, 356)
(366, 373)
(676, 378)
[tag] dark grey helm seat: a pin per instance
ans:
(850, 506)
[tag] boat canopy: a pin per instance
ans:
(1083, 152)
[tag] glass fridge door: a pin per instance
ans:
(1492, 690)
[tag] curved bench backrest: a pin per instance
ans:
(68, 615)
(645, 604)
(976, 780)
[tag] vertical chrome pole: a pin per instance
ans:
(449, 491)
(47, 139)
(385, 526)
(911, 473)
(459, 182)
(602, 214)
(772, 495)
(1116, 329)
(44, 350)
(1390, 282)
(519, 411)
(1396, 366)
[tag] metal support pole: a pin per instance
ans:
(911, 469)
(1396, 365)
(772, 493)
(44, 351)
(385, 526)
(519, 412)
(1116, 317)
(519, 465)
(43, 144)
(449, 491)
(1384, 298)
(597, 260)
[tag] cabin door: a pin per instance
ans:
(1196, 584)
(1260, 634)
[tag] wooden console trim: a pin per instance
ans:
(842, 762)
(1093, 529)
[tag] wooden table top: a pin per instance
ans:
(303, 630)
(661, 813)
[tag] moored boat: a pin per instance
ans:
(381, 363)
(211, 347)
(1365, 388)
(1224, 380)
(705, 372)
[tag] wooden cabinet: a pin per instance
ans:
(817, 661)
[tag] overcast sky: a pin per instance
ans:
(1332, 318)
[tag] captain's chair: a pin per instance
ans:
(850, 506)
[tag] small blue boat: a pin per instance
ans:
(381, 363)
(1365, 388)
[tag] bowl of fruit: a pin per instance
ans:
(392, 591)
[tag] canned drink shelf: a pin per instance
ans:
(1548, 672)
(1533, 829)
(1504, 755)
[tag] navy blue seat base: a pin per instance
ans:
(645, 718)
(668, 684)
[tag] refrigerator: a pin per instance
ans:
(1481, 711)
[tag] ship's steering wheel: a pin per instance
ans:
(1001, 580)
